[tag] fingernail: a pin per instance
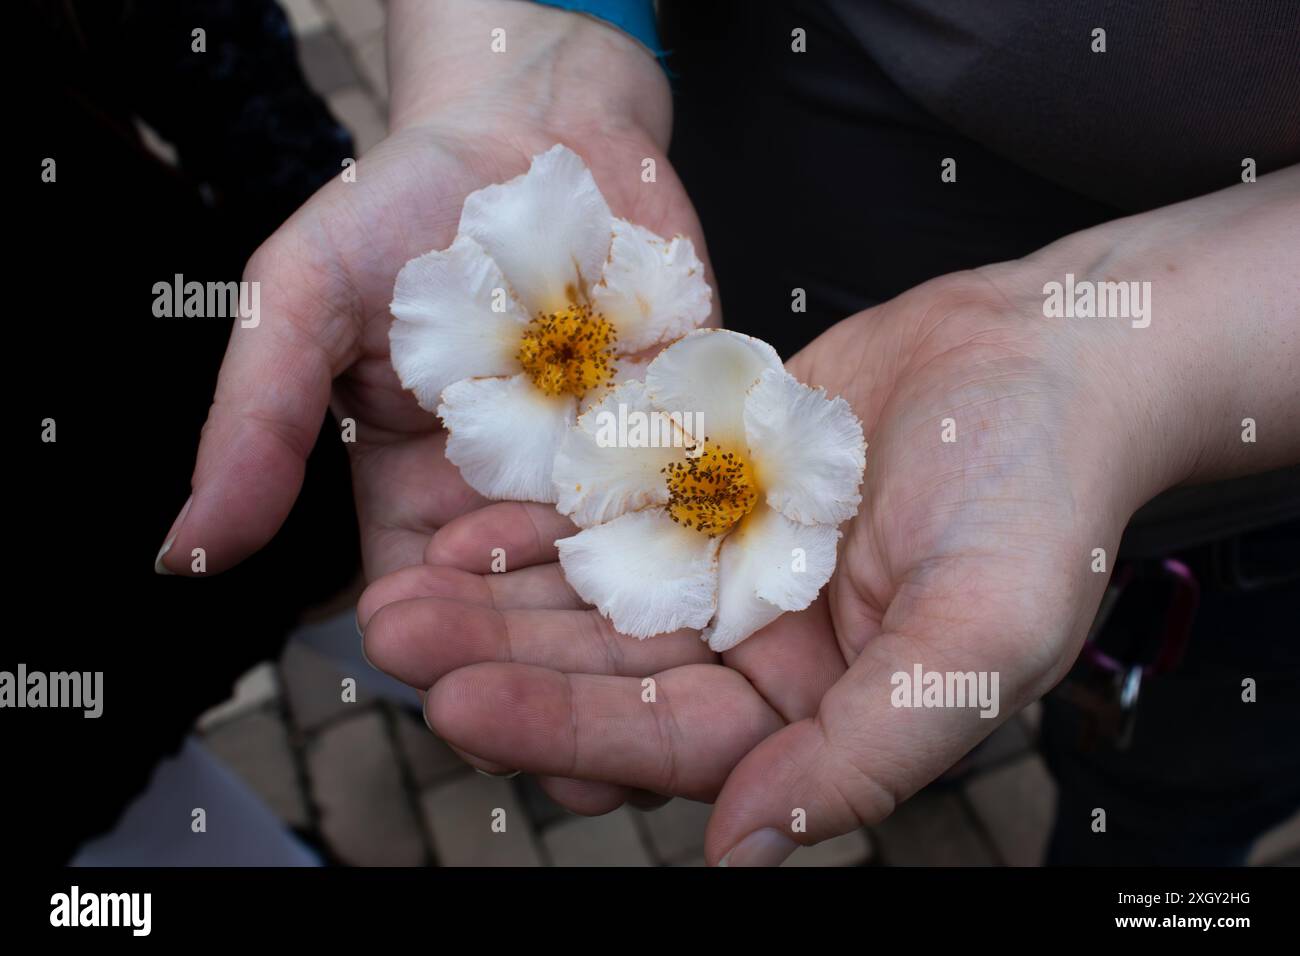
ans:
(766, 847)
(158, 566)
(364, 656)
(499, 776)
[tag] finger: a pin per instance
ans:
(701, 721)
(793, 661)
(542, 587)
(420, 641)
(405, 490)
(484, 766)
(422, 581)
(270, 401)
(500, 537)
(851, 764)
(478, 763)
(587, 798)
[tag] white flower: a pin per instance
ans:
(528, 312)
(730, 533)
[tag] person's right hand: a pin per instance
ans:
(463, 117)
(965, 556)
(975, 554)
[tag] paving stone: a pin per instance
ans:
(255, 689)
(357, 111)
(851, 849)
(541, 809)
(934, 828)
(427, 758)
(366, 815)
(1278, 845)
(304, 16)
(1016, 804)
(355, 19)
(371, 57)
(676, 830)
(609, 840)
(256, 747)
(325, 62)
(313, 687)
(459, 816)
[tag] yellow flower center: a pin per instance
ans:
(711, 491)
(570, 351)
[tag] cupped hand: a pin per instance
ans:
(992, 474)
(462, 119)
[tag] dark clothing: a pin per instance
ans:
(1208, 770)
(1184, 91)
(129, 392)
(821, 171)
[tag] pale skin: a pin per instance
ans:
(969, 555)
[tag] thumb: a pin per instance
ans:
(271, 397)
(845, 768)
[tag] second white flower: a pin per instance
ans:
(729, 534)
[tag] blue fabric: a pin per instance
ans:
(155, 828)
(636, 18)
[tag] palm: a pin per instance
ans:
(963, 551)
(966, 550)
(331, 271)
(959, 559)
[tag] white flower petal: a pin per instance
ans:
(652, 290)
(627, 368)
(445, 327)
(769, 565)
(549, 229)
(646, 574)
(597, 475)
(503, 433)
(808, 449)
(707, 374)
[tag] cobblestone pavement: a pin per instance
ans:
(366, 784)
(359, 777)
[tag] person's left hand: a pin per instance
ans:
(461, 121)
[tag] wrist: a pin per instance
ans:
(553, 70)
(1209, 338)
